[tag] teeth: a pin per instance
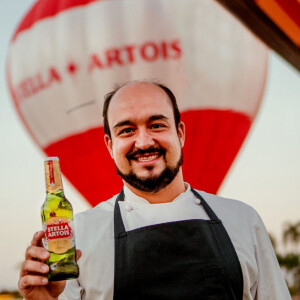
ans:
(147, 158)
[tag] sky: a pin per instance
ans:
(264, 175)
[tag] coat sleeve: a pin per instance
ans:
(271, 283)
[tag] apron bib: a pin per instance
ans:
(191, 259)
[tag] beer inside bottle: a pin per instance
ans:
(57, 218)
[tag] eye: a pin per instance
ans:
(157, 126)
(126, 130)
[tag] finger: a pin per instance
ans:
(29, 281)
(36, 252)
(36, 267)
(78, 254)
(56, 287)
(37, 238)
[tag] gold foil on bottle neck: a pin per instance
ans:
(53, 175)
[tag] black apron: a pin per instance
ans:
(191, 259)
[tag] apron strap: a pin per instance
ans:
(213, 217)
(118, 222)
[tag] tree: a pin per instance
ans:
(291, 234)
(290, 261)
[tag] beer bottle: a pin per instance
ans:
(57, 219)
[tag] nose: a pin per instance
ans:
(144, 139)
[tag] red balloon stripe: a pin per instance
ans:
(87, 164)
(43, 9)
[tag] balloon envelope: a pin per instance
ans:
(66, 55)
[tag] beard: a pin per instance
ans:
(152, 183)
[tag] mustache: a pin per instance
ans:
(150, 150)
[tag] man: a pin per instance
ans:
(159, 238)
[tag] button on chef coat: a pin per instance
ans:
(94, 231)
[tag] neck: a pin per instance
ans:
(167, 194)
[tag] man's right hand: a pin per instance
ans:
(33, 282)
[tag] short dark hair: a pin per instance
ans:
(109, 96)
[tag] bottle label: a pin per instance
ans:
(51, 173)
(53, 177)
(59, 236)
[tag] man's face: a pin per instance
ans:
(145, 143)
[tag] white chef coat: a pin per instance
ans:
(94, 229)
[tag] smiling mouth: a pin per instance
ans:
(146, 155)
(146, 158)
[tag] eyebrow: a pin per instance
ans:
(128, 122)
(158, 117)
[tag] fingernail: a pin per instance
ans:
(44, 268)
(44, 280)
(45, 254)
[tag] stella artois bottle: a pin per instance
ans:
(57, 218)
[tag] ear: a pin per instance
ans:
(181, 133)
(108, 143)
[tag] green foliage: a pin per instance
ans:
(290, 261)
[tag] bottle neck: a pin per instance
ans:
(58, 193)
(53, 177)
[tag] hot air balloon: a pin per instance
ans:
(66, 55)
